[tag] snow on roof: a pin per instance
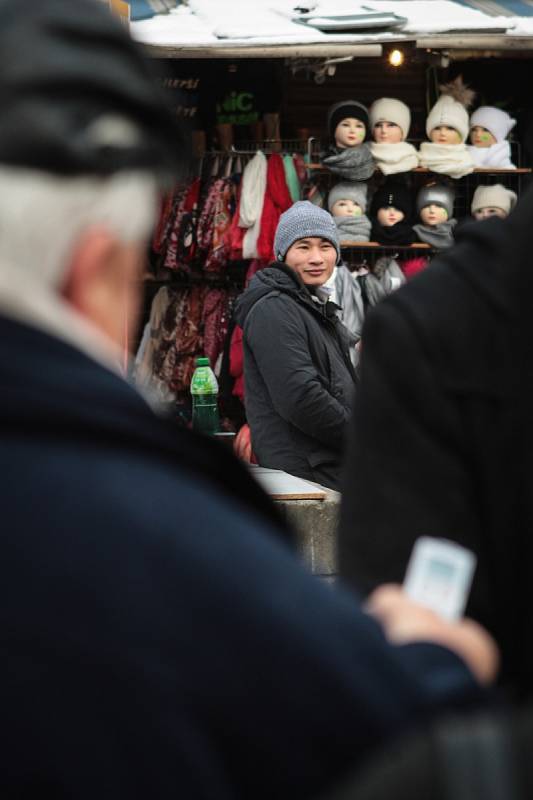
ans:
(222, 23)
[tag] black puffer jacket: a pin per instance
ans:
(299, 380)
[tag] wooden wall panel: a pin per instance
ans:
(364, 79)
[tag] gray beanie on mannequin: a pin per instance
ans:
(348, 190)
(437, 194)
(303, 220)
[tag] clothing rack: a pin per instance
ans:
(233, 279)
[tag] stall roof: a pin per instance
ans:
(268, 28)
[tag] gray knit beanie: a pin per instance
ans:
(302, 220)
(437, 194)
(348, 190)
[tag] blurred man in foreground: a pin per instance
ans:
(441, 443)
(158, 637)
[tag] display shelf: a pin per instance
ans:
(376, 246)
(424, 170)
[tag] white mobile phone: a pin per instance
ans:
(439, 576)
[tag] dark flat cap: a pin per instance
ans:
(77, 95)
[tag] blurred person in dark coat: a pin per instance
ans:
(159, 637)
(442, 436)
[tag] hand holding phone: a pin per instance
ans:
(439, 576)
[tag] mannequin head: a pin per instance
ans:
(444, 134)
(347, 199)
(489, 211)
(434, 203)
(489, 125)
(447, 122)
(346, 208)
(389, 216)
(390, 120)
(392, 203)
(492, 201)
(481, 137)
(348, 123)
(433, 214)
(350, 132)
(387, 133)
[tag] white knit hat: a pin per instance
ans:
(496, 121)
(386, 109)
(348, 190)
(450, 112)
(495, 196)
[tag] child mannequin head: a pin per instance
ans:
(445, 134)
(434, 204)
(492, 201)
(489, 125)
(390, 121)
(447, 122)
(347, 199)
(348, 123)
(392, 204)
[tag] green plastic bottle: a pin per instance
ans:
(204, 391)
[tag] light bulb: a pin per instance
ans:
(396, 58)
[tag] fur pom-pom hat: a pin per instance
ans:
(451, 108)
(437, 194)
(495, 196)
(348, 190)
(496, 121)
(387, 109)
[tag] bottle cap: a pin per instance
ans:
(202, 361)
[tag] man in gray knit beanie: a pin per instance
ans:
(300, 220)
(298, 374)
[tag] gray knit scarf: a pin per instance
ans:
(384, 279)
(438, 236)
(353, 229)
(351, 163)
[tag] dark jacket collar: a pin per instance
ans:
(50, 390)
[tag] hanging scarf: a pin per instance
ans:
(351, 163)
(497, 155)
(438, 236)
(277, 200)
(399, 234)
(291, 176)
(347, 295)
(353, 229)
(448, 159)
(253, 189)
(393, 158)
(384, 279)
(412, 266)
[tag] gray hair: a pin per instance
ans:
(42, 216)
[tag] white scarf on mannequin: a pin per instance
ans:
(448, 159)
(393, 158)
(497, 155)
